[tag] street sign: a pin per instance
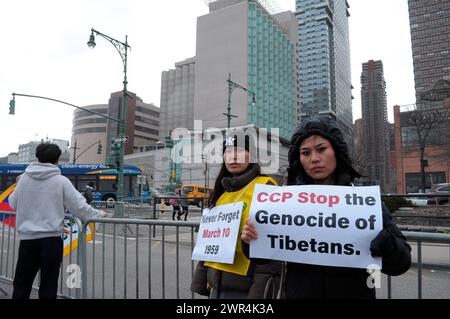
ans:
(120, 139)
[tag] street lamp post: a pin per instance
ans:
(122, 48)
(231, 86)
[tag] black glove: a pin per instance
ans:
(383, 245)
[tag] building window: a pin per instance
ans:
(413, 181)
(89, 130)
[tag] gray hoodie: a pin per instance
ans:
(40, 200)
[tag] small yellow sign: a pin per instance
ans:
(108, 177)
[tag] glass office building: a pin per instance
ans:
(325, 71)
(259, 50)
(272, 73)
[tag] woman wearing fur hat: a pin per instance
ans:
(235, 183)
(318, 154)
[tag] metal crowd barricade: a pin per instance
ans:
(9, 254)
(420, 239)
(133, 208)
(160, 208)
(9, 247)
(107, 206)
(118, 265)
(139, 208)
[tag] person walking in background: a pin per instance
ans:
(318, 155)
(40, 200)
(184, 203)
(88, 192)
(175, 208)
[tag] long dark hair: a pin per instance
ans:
(218, 187)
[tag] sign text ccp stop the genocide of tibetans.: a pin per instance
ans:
(319, 225)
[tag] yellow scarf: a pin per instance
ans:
(241, 263)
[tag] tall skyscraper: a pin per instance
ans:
(325, 71)
(177, 97)
(376, 128)
(259, 49)
(430, 36)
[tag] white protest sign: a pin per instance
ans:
(318, 225)
(217, 236)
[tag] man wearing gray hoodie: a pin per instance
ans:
(41, 197)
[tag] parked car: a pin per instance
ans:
(418, 201)
(439, 189)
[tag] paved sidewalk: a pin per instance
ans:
(6, 287)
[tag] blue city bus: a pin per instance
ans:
(104, 178)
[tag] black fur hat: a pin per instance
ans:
(328, 129)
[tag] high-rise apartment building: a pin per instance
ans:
(375, 126)
(142, 128)
(177, 98)
(142, 122)
(325, 71)
(259, 49)
(430, 36)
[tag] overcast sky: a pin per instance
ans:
(44, 52)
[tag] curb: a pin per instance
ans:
(443, 267)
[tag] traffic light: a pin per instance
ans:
(115, 149)
(169, 142)
(114, 154)
(12, 106)
(99, 148)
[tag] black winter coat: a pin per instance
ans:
(309, 281)
(253, 286)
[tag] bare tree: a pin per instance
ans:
(425, 121)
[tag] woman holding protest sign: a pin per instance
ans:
(319, 155)
(235, 183)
